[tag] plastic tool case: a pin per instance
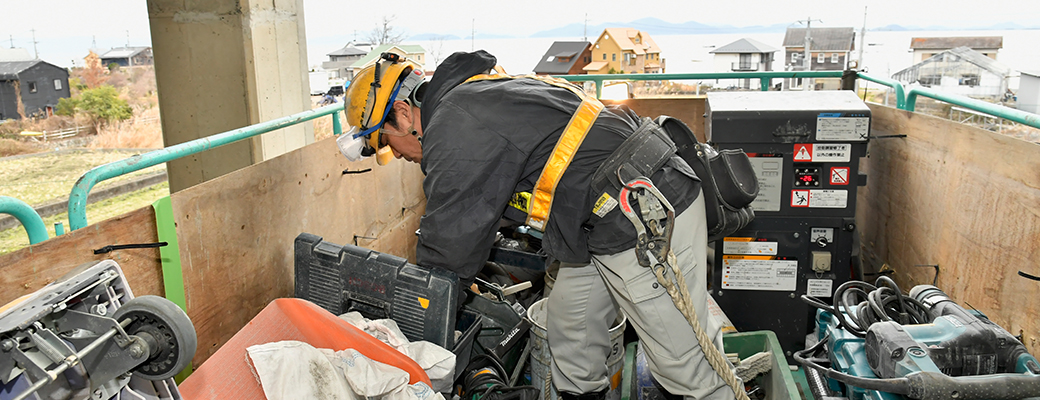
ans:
(346, 278)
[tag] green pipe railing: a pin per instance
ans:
(764, 77)
(977, 105)
(895, 85)
(25, 214)
(78, 197)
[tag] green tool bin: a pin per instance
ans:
(778, 382)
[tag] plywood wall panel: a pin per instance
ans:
(29, 269)
(961, 197)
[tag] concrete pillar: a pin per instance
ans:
(226, 64)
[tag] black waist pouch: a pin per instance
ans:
(727, 179)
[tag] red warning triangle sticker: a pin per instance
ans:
(802, 152)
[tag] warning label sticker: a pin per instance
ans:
(604, 205)
(842, 128)
(839, 175)
(831, 152)
(803, 152)
(759, 273)
(828, 198)
(747, 247)
(820, 287)
(799, 198)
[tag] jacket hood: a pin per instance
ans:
(450, 73)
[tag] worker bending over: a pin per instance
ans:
(536, 150)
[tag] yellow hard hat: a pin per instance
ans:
(370, 95)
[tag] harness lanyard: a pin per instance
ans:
(540, 203)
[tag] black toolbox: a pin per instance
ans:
(345, 278)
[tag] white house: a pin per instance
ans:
(744, 55)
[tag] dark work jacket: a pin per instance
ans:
(485, 140)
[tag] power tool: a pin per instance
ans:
(889, 346)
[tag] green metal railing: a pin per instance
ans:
(996, 110)
(895, 85)
(78, 197)
(25, 214)
(904, 100)
(765, 78)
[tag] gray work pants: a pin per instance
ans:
(587, 297)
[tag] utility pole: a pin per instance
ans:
(862, 40)
(12, 40)
(807, 54)
(472, 34)
(585, 32)
(128, 38)
(36, 52)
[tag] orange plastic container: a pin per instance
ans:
(228, 375)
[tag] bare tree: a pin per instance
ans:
(437, 49)
(385, 33)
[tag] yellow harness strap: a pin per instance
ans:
(540, 203)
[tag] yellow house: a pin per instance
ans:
(627, 51)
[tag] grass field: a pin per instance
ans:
(39, 179)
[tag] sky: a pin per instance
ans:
(65, 30)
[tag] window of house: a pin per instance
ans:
(57, 84)
(821, 58)
(636, 39)
(613, 57)
(834, 58)
(549, 59)
(604, 56)
(32, 87)
(794, 58)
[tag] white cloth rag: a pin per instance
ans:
(438, 362)
(297, 370)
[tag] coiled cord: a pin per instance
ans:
(883, 301)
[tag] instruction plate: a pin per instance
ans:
(820, 287)
(770, 171)
(828, 198)
(746, 246)
(831, 152)
(842, 128)
(759, 273)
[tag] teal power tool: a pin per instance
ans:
(923, 346)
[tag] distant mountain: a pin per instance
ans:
(432, 37)
(435, 37)
(1006, 26)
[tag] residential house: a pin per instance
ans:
(14, 54)
(35, 84)
(744, 55)
(340, 60)
(829, 50)
(414, 53)
(625, 51)
(128, 56)
(960, 71)
(1028, 98)
(926, 47)
(565, 58)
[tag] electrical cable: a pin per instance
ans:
(883, 301)
(890, 385)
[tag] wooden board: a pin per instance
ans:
(237, 232)
(688, 109)
(960, 197)
(27, 270)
